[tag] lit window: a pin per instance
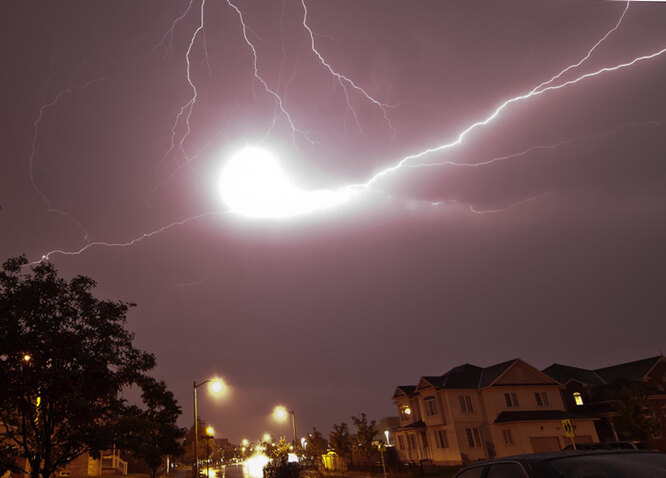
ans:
(578, 398)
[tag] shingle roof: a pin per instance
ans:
(468, 376)
(564, 373)
(415, 425)
(462, 376)
(406, 389)
(539, 415)
(628, 371)
(435, 381)
(490, 374)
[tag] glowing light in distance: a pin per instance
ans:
(245, 442)
(255, 465)
(27, 358)
(210, 431)
(252, 184)
(280, 413)
(267, 438)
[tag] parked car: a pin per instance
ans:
(590, 446)
(572, 464)
(613, 445)
(628, 445)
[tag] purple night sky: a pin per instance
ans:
(541, 235)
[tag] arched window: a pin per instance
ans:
(578, 398)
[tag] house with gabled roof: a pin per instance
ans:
(593, 391)
(471, 413)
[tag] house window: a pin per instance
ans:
(473, 437)
(465, 403)
(508, 438)
(412, 441)
(541, 399)
(511, 399)
(401, 443)
(441, 440)
(578, 399)
(405, 413)
(430, 406)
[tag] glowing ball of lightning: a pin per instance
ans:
(254, 185)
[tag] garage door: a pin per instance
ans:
(583, 439)
(540, 444)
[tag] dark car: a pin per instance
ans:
(613, 445)
(572, 464)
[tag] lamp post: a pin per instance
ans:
(209, 434)
(281, 412)
(216, 386)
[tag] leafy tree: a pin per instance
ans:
(188, 443)
(365, 433)
(635, 420)
(340, 441)
(151, 433)
(65, 356)
(9, 454)
(281, 450)
(315, 447)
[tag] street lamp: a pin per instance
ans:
(280, 412)
(209, 434)
(216, 386)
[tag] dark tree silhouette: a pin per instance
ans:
(635, 420)
(365, 433)
(340, 441)
(150, 433)
(65, 358)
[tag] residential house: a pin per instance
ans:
(471, 413)
(594, 391)
(109, 463)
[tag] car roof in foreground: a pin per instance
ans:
(537, 458)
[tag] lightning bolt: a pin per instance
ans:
(186, 109)
(33, 152)
(169, 33)
(131, 242)
(342, 79)
(407, 161)
(533, 93)
(589, 53)
(538, 147)
(260, 79)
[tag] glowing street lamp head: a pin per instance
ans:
(267, 438)
(280, 413)
(245, 442)
(210, 431)
(216, 386)
(27, 358)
